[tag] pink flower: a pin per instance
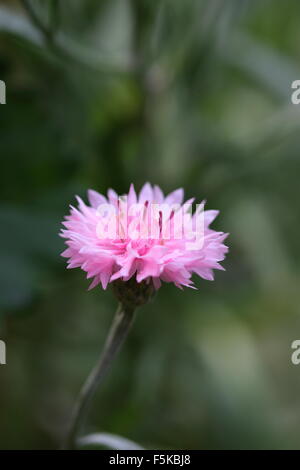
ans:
(150, 236)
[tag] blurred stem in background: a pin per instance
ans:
(46, 31)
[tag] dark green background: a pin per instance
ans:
(192, 94)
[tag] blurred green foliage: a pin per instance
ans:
(194, 94)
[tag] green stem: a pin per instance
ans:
(38, 23)
(117, 334)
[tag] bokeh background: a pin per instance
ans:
(193, 94)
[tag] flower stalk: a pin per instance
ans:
(119, 329)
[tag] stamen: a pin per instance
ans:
(160, 223)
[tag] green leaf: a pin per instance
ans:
(109, 441)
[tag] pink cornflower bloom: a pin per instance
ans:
(148, 236)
